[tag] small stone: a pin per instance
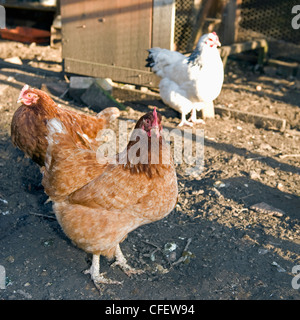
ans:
(97, 98)
(169, 247)
(48, 243)
(263, 251)
(219, 184)
(14, 60)
(263, 207)
(172, 256)
(161, 269)
(44, 273)
(10, 259)
(279, 268)
(265, 146)
(280, 186)
(270, 173)
(254, 175)
(198, 192)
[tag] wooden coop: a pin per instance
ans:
(109, 38)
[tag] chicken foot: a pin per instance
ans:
(122, 263)
(184, 122)
(96, 276)
(194, 119)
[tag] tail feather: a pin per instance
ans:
(160, 59)
(151, 58)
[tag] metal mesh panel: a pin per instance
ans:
(267, 18)
(184, 22)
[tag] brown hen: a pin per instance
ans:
(29, 123)
(97, 205)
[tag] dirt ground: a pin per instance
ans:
(234, 250)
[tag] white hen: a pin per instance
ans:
(188, 84)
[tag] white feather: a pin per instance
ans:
(85, 136)
(54, 126)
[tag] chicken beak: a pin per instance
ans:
(218, 43)
(155, 129)
(20, 100)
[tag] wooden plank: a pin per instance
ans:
(263, 121)
(280, 63)
(118, 74)
(107, 34)
(244, 46)
(28, 6)
(259, 120)
(236, 48)
(283, 49)
(133, 94)
(163, 24)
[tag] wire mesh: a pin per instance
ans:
(270, 19)
(184, 22)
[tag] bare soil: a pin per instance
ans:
(234, 251)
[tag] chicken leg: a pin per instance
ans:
(194, 119)
(96, 276)
(173, 96)
(184, 122)
(122, 263)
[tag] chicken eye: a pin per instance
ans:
(147, 121)
(29, 95)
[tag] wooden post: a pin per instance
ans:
(163, 24)
(231, 16)
(197, 30)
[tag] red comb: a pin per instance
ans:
(26, 87)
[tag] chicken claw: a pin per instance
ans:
(194, 119)
(122, 263)
(185, 123)
(198, 121)
(97, 277)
